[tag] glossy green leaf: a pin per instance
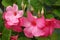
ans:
(54, 36)
(49, 16)
(36, 5)
(6, 3)
(23, 38)
(57, 12)
(50, 2)
(6, 34)
(1, 23)
(57, 3)
(43, 38)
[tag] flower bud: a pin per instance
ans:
(42, 11)
(38, 13)
(32, 9)
(22, 5)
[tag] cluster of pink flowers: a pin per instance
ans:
(33, 26)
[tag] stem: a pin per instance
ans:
(28, 4)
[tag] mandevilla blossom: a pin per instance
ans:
(57, 23)
(14, 37)
(12, 17)
(39, 26)
(50, 25)
(32, 25)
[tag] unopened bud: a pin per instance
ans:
(38, 13)
(42, 12)
(32, 9)
(22, 5)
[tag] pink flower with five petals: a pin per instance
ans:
(12, 17)
(32, 25)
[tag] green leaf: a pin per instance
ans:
(6, 34)
(43, 38)
(36, 5)
(6, 3)
(54, 36)
(57, 3)
(49, 2)
(0, 38)
(20, 1)
(1, 23)
(57, 12)
(49, 16)
(24, 38)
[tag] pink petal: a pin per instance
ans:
(26, 23)
(7, 26)
(9, 8)
(14, 37)
(30, 16)
(37, 32)
(4, 15)
(40, 22)
(28, 33)
(15, 7)
(8, 15)
(19, 14)
(51, 30)
(14, 20)
(48, 31)
(10, 23)
(49, 27)
(20, 21)
(57, 23)
(17, 28)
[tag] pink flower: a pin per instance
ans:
(57, 23)
(12, 14)
(14, 37)
(49, 27)
(12, 18)
(32, 25)
(39, 26)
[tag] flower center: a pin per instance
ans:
(33, 23)
(15, 13)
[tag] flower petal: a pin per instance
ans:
(28, 33)
(9, 8)
(40, 22)
(15, 8)
(48, 31)
(14, 37)
(26, 23)
(30, 16)
(17, 28)
(57, 23)
(19, 14)
(7, 26)
(37, 32)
